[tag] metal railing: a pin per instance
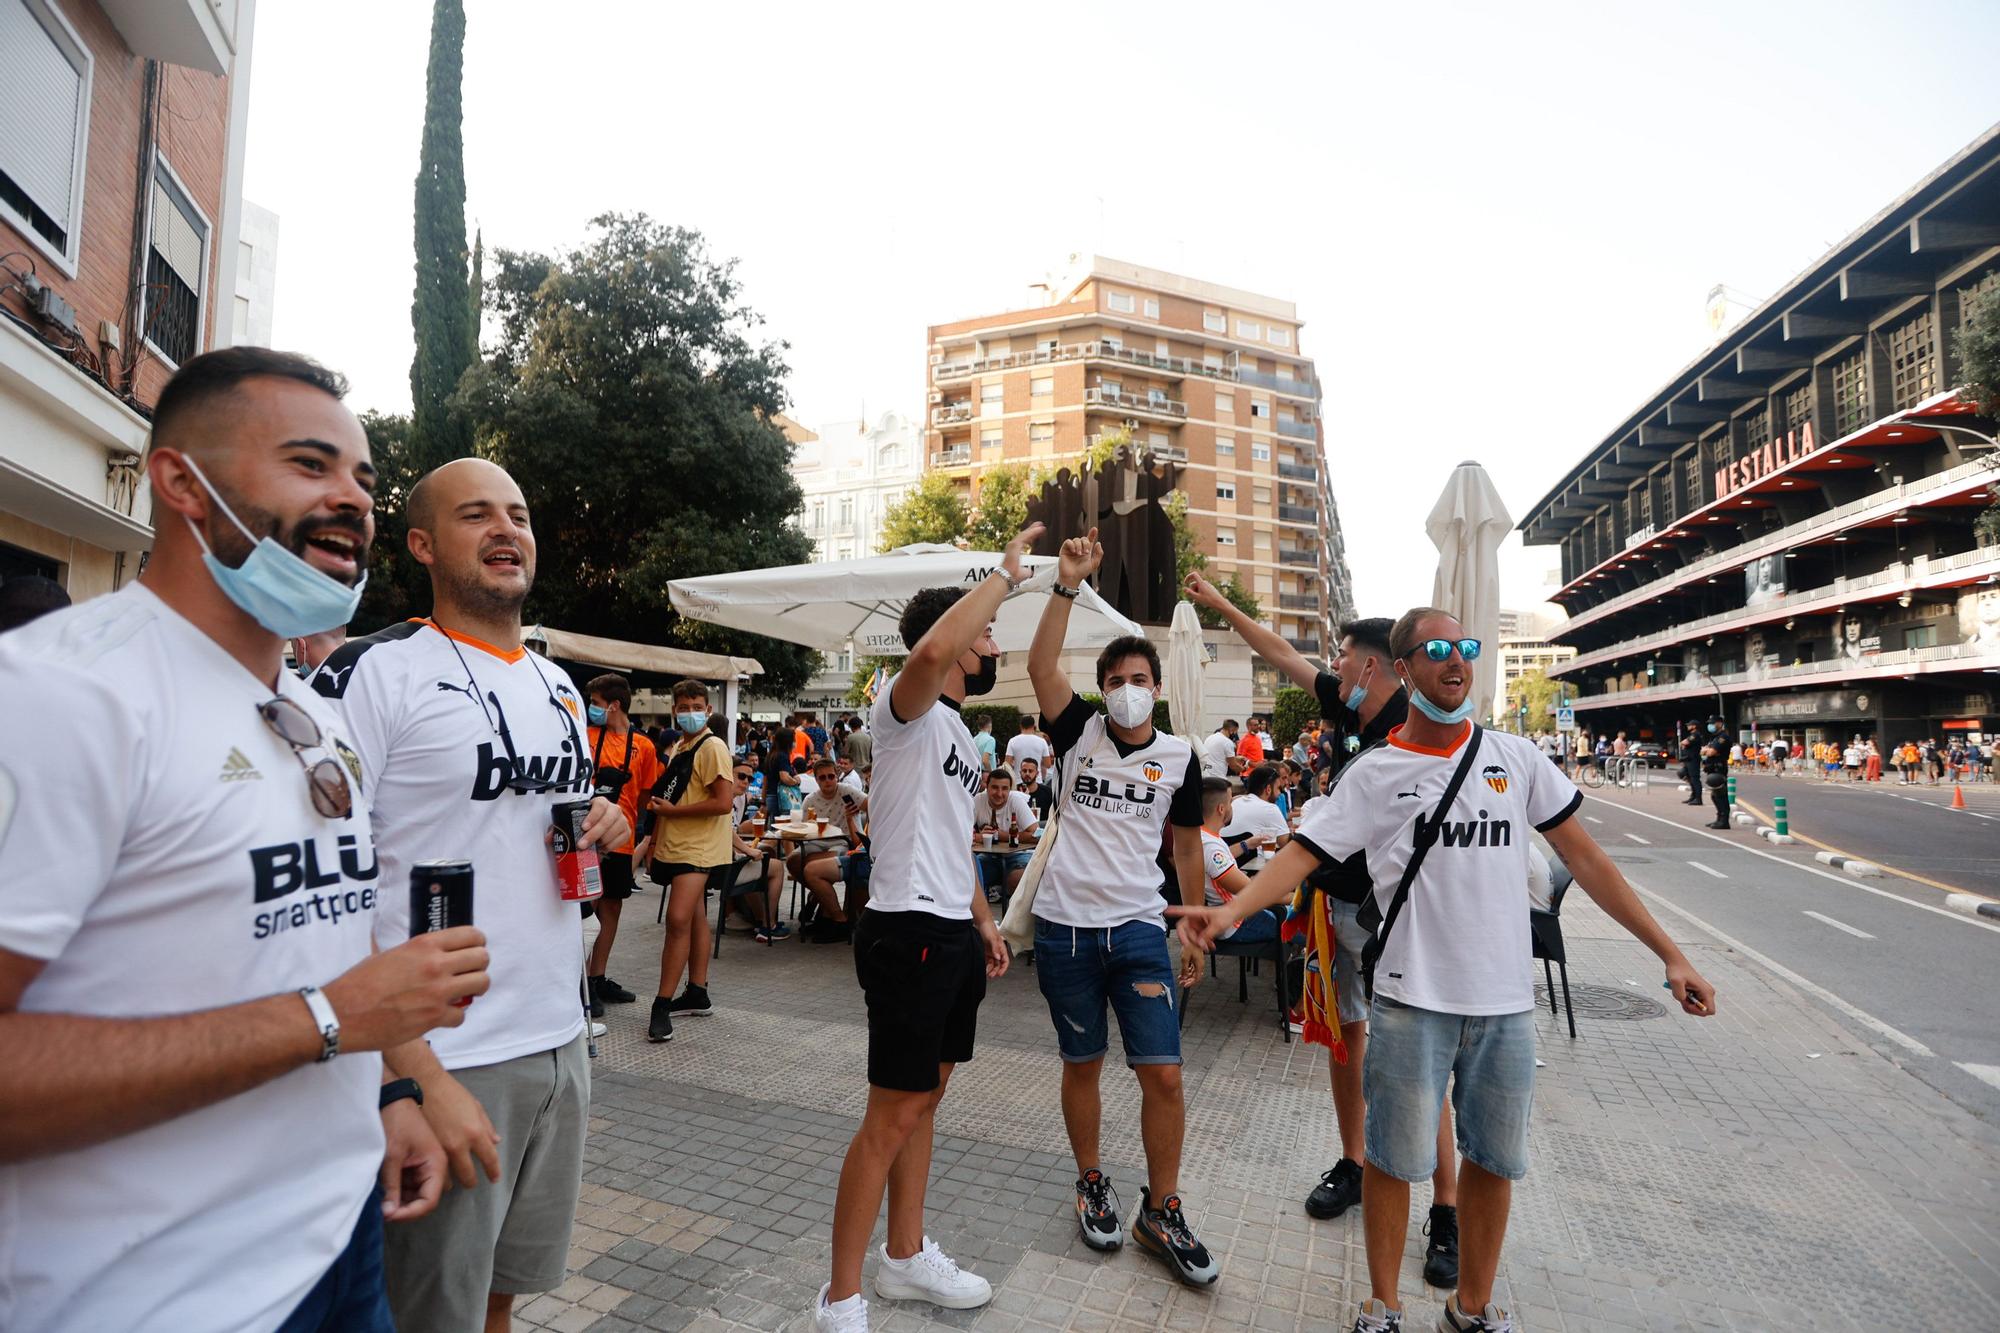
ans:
(1297, 387)
(1298, 472)
(1291, 601)
(1804, 602)
(1297, 514)
(1891, 498)
(1973, 654)
(1096, 349)
(1304, 645)
(1159, 406)
(1298, 430)
(951, 458)
(1291, 556)
(1621, 770)
(951, 414)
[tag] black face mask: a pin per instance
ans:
(989, 671)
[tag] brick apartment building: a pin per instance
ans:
(1207, 376)
(121, 161)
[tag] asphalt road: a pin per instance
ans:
(1911, 828)
(1907, 976)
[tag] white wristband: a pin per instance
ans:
(328, 1021)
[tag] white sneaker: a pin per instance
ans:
(850, 1317)
(930, 1275)
(598, 1029)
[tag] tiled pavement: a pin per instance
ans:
(1764, 1169)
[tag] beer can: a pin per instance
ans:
(440, 898)
(578, 876)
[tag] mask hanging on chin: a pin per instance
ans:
(1357, 696)
(989, 672)
(1442, 716)
(273, 586)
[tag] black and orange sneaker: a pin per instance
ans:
(1097, 1212)
(1164, 1232)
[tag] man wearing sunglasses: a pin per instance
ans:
(475, 738)
(192, 1116)
(1454, 981)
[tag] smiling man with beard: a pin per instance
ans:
(474, 738)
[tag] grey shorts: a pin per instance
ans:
(1349, 939)
(509, 1236)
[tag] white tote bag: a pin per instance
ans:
(1018, 926)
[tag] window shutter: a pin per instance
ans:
(176, 233)
(41, 103)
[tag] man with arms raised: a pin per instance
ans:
(473, 739)
(1454, 985)
(189, 1014)
(1100, 925)
(924, 948)
(1363, 684)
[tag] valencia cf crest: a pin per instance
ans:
(567, 697)
(351, 759)
(1496, 778)
(1153, 771)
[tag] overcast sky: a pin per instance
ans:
(1499, 222)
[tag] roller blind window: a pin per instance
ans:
(44, 86)
(174, 250)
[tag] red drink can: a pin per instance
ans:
(578, 876)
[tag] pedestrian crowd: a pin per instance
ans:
(242, 906)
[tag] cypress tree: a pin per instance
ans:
(441, 315)
(477, 289)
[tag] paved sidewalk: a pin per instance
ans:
(1764, 1169)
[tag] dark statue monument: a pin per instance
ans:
(1123, 500)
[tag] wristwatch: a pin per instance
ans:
(1061, 591)
(397, 1089)
(329, 1022)
(1012, 582)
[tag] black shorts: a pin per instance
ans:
(923, 977)
(665, 872)
(615, 868)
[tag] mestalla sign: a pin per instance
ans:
(1761, 462)
(1810, 707)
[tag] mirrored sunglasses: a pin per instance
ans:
(1440, 649)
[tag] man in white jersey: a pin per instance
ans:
(185, 857)
(1100, 925)
(1454, 982)
(924, 948)
(473, 738)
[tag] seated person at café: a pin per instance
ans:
(1222, 878)
(817, 861)
(754, 863)
(1041, 797)
(1254, 822)
(1003, 835)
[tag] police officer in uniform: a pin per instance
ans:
(1690, 757)
(1715, 772)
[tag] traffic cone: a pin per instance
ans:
(1957, 797)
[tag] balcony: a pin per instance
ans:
(957, 456)
(1288, 555)
(1298, 472)
(1304, 645)
(1157, 405)
(1298, 430)
(1297, 514)
(195, 34)
(1168, 453)
(951, 414)
(1091, 350)
(1296, 387)
(1291, 601)
(1908, 662)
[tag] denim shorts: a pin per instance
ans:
(1411, 1054)
(1350, 937)
(994, 867)
(1081, 968)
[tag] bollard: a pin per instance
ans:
(1783, 827)
(1732, 789)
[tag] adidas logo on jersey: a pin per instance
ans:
(237, 768)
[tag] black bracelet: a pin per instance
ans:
(1061, 591)
(398, 1089)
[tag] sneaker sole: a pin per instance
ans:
(1165, 1256)
(695, 1013)
(1327, 1215)
(1096, 1240)
(1449, 1283)
(891, 1291)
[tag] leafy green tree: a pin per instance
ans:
(1003, 507)
(1539, 693)
(933, 511)
(1292, 711)
(1189, 557)
(627, 398)
(442, 314)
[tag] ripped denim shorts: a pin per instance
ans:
(1080, 969)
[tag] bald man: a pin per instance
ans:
(475, 738)
(189, 1013)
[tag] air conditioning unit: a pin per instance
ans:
(1131, 423)
(937, 358)
(937, 396)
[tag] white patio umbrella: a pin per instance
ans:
(1186, 657)
(1467, 525)
(839, 603)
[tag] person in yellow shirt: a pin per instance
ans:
(691, 804)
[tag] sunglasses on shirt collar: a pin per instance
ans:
(1438, 650)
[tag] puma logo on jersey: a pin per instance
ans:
(1480, 832)
(237, 768)
(1401, 794)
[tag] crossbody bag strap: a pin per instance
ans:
(1426, 834)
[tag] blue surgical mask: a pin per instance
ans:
(596, 715)
(1441, 716)
(276, 587)
(1355, 697)
(690, 723)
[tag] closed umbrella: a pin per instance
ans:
(1467, 525)
(838, 603)
(1187, 655)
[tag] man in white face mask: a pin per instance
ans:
(1100, 928)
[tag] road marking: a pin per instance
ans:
(1840, 925)
(1859, 1015)
(1641, 841)
(1910, 875)
(1593, 819)
(1847, 880)
(1989, 1074)
(1707, 871)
